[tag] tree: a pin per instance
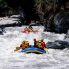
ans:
(43, 7)
(3, 3)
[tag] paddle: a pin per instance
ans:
(17, 48)
(46, 49)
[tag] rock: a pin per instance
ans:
(63, 43)
(1, 32)
(54, 45)
(58, 44)
(68, 32)
(66, 38)
(61, 22)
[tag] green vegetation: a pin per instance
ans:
(3, 3)
(41, 7)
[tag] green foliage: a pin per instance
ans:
(44, 6)
(44, 3)
(3, 3)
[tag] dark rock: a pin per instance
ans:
(67, 35)
(1, 32)
(11, 25)
(61, 22)
(58, 44)
(54, 45)
(63, 43)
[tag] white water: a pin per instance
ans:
(54, 59)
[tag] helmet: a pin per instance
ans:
(34, 39)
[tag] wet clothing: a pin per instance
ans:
(40, 44)
(43, 45)
(23, 46)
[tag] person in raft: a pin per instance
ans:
(25, 30)
(25, 44)
(30, 29)
(39, 44)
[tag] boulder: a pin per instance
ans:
(1, 31)
(58, 44)
(61, 22)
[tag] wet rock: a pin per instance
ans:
(54, 45)
(63, 43)
(1, 32)
(61, 22)
(67, 35)
(58, 44)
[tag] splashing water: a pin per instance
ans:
(54, 59)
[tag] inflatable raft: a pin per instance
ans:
(33, 50)
(28, 30)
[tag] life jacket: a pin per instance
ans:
(24, 44)
(43, 45)
(38, 44)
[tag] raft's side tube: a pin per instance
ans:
(33, 50)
